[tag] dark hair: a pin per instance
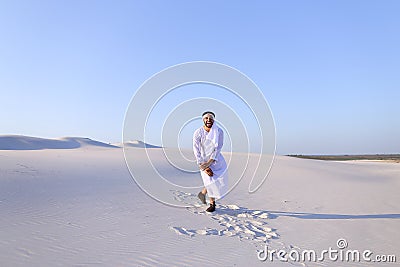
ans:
(208, 112)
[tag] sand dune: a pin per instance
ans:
(20, 142)
(136, 143)
(80, 207)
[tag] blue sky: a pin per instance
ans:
(328, 69)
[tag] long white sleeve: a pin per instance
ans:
(217, 150)
(197, 146)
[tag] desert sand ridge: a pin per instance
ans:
(135, 143)
(21, 142)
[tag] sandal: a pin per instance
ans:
(202, 198)
(211, 208)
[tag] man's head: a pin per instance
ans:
(208, 118)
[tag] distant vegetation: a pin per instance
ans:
(387, 157)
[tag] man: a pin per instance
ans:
(207, 144)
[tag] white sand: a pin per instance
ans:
(80, 207)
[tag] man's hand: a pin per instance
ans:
(209, 172)
(207, 164)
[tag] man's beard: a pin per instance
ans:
(211, 124)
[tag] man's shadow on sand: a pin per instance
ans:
(237, 211)
(323, 216)
(303, 215)
(234, 210)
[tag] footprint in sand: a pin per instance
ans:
(246, 224)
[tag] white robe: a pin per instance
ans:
(208, 145)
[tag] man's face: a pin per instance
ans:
(208, 121)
